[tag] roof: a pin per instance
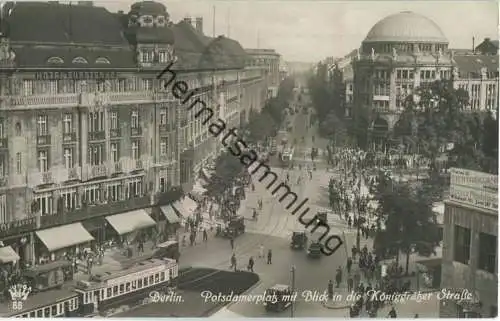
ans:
(37, 300)
(406, 26)
(472, 64)
(63, 23)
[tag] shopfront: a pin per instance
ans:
(131, 226)
(57, 242)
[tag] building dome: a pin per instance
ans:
(406, 26)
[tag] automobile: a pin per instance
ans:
(278, 297)
(314, 250)
(234, 227)
(168, 249)
(322, 217)
(299, 240)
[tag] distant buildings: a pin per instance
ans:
(470, 238)
(88, 130)
(268, 60)
(402, 52)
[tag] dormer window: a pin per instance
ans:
(55, 60)
(147, 56)
(160, 21)
(146, 21)
(80, 60)
(102, 60)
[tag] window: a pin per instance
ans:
(42, 128)
(96, 154)
(114, 120)
(122, 289)
(147, 84)
(109, 292)
(19, 163)
(163, 116)
(45, 203)
(147, 56)
(163, 184)
(487, 252)
(114, 192)
(68, 157)
(115, 156)
(43, 160)
(162, 56)
(134, 119)
(80, 60)
(101, 86)
(462, 244)
(67, 123)
(135, 149)
(3, 165)
(96, 122)
(134, 188)
(18, 129)
(102, 60)
(28, 88)
(2, 128)
(163, 146)
(52, 87)
(121, 85)
(3, 209)
(69, 199)
(92, 194)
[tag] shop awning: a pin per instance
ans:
(170, 214)
(187, 206)
(131, 221)
(57, 238)
(8, 255)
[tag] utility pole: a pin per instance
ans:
(292, 270)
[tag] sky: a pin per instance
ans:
(311, 30)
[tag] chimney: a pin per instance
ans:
(199, 24)
(473, 45)
(188, 20)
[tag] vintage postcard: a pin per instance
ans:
(199, 158)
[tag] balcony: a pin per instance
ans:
(17, 227)
(117, 168)
(93, 136)
(165, 129)
(115, 133)
(69, 137)
(42, 140)
(95, 171)
(138, 164)
(92, 211)
(47, 178)
(137, 131)
(59, 100)
(73, 174)
(4, 143)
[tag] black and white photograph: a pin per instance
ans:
(249, 159)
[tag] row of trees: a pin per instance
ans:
(229, 171)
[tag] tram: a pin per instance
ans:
(287, 155)
(101, 294)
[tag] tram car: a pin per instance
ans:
(101, 294)
(125, 287)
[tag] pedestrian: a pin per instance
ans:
(354, 251)
(231, 241)
(349, 265)
(89, 264)
(233, 262)
(269, 257)
(349, 222)
(250, 264)
(330, 290)
(338, 277)
(350, 284)
(140, 247)
(261, 251)
(205, 235)
(392, 314)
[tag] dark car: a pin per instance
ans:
(322, 217)
(278, 298)
(299, 240)
(235, 226)
(314, 250)
(169, 249)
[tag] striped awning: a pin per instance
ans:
(170, 214)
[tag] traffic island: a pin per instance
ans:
(337, 304)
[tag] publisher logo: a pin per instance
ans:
(18, 294)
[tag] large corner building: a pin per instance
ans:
(86, 127)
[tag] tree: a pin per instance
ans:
(410, 223)
(261, 126)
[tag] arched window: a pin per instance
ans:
(80, 60)
(102, 60)
(55, 60)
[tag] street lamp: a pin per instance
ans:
(292, 271)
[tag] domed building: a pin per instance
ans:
(401, 52)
